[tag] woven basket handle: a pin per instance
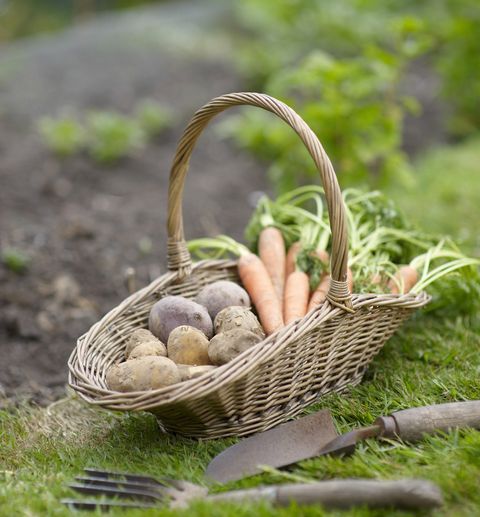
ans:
(179, 258)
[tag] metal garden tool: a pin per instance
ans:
(315, 435)
(148, 492)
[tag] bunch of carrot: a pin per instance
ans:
(289, 276)
(279, 290)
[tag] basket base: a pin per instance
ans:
(239, 427)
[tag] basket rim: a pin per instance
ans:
(94, 392)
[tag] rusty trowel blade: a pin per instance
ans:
(278, 447)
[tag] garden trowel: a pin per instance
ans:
(315, 435)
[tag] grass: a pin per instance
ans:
(431, 360)
(445, 196)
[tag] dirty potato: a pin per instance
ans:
(236, 317)
(151, 348)
(225, 346)
(188, 345)
(142, 374)
(137, 337)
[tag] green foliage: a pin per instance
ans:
(299, 214)
(64, 135)
(458, 64)
(15, 260)
(456, 294)
(324, 59)
(113, 136)
(444, 198)
(352, 104)
(152, 117)
(107, 136)
(283, 31)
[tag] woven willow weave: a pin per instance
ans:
(327, 350)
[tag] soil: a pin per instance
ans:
(82, 225)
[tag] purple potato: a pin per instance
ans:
(222, 294)
(172, 311)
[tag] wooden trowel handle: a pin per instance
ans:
(345, 493)
(412, 424)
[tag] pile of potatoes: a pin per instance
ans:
(199, 334)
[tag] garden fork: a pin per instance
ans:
(147, 492)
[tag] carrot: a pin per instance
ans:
(291, 260)
(320, 293)
(295, 301)
(257, 282)
(271, 249)
(322, 255)
(405, 278)
(350, 280)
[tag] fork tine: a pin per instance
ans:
(120, 484)
(129, 493)
(98, 473)
(103, 505)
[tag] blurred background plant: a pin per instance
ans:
(64, 134)
(107, 136)
(353, 104)
(14, 259)
(113, 136)
(22, 18)
(343, 66)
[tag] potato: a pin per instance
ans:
(188, 345)
(142, 374)
(221, 294)
(225, 346)
(136, 338)
(172, 311)
(150, 348)
(235, 317)
(188, 372)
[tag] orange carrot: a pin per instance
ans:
(257, 282)
(406, 276)
(271, 249)
(320, 293)
(376, 279)
(291, 260)
(323, 256)
(297, 290)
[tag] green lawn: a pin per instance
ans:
(431, 360)
(446, 196)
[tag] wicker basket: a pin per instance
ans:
(273, 381)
